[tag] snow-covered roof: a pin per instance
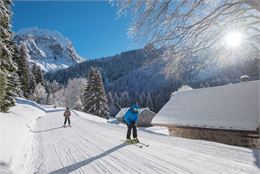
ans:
(234, 106)
(122, 112)
(244, 76)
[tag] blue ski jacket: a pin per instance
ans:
(131, 115)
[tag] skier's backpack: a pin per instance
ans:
(67, 113)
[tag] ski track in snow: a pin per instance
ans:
(92, 147)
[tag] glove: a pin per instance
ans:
(132, 123)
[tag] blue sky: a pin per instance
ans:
(92, 26)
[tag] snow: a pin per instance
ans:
(92, 145)
(156, 129)
(35, 31)
(234, 106)
(113, 121)
(14, 131)
(95, 147)
(90, 117)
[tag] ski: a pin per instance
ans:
(135, 144)
(145, 145)
(66, 126)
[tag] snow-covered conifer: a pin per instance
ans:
(23, 69)
(32, 83)
(7, 65)
(149, 102)
(113, 109)
(95, 99)
(124, 99)
(2, 90)
(37, 74)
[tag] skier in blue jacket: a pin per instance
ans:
(131, 117)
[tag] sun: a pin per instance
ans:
(234, 39)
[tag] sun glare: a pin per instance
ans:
(234, 39)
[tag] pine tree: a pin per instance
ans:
(55, 86)
(49, 92)
(113, 109)
(32, 83)
(23, 69)
(149, 102)
(141, 100)
(95, 99)
(7, 65)
(2, 90)
(116, 99)
(124, 99)
(37, 74)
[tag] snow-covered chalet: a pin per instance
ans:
(227, 114)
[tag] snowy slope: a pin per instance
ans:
(14, 131)
(49, 49)
(94, 146)
(234, 106)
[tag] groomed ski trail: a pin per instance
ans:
(92, 147)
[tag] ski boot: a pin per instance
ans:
(128, 141)
(135, 140)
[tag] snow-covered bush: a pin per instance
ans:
(70, 96)
(184, 88)
(74, 93)
(40, 94)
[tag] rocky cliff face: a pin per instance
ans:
(49, 49)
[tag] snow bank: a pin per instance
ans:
(234, 106)
(90, 117)
(113, 121)
(14, 132)
(98, 119)
(29, 102)
(45, 108)
(156, 129)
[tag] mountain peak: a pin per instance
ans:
(49, 49)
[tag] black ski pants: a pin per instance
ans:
(67, 118)
(129, 129)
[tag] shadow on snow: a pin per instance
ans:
(75, 166)
(256, 153)
(46, 130)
